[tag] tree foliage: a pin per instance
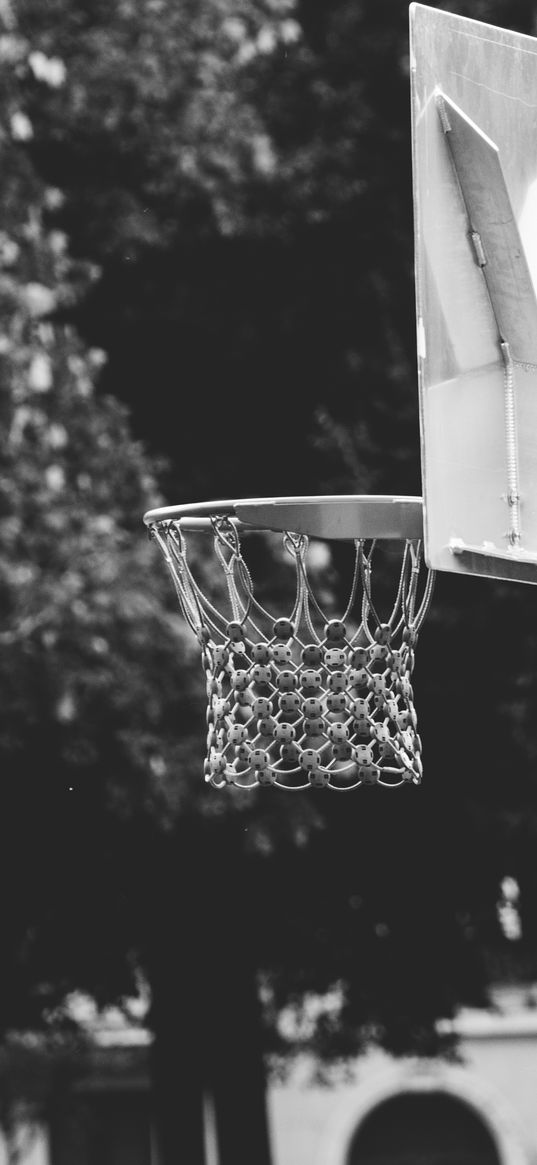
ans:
(240, 173)
(89, 736)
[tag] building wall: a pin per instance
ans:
(314, 1125)
(107, 1120)
(33, 1144)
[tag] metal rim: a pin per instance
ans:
(347, 516)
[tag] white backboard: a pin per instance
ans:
(474, 134)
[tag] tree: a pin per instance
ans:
(90, 737)
(102, 703)
(293, 275)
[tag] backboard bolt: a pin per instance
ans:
(442, 113)
(479, 249)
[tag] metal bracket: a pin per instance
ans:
(500, 254)
(493, 229)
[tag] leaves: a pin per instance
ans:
(234, 180)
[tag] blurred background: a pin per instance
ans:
(206, 277)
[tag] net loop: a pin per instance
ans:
(296, 546)
(400, 606)
(304, 700)
(226, 538)
(173, 546)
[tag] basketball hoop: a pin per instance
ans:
(303, 699)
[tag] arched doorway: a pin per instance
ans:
(422, 1128)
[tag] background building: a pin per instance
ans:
(478, 1110)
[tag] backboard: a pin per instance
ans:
(474, 140)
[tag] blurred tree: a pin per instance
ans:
(100, 682)
(241, 175)
(107, 872)
(225, 185)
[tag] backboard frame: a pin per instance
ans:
(474, 153)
